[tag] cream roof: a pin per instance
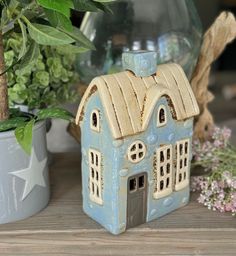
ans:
(129, 101)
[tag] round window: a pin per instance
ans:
(136, 151)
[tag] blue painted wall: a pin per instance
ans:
(117, 169)
(106, 214)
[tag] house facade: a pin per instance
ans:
(136, 137)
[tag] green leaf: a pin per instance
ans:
(55, 113)
(71, 49)
(14, 112)
(58, 20)
(77, 35)
(4, 18)
(85, 5)
(89, 5)
(24, 135)
(24, 39)
(31, 55)
(12, 123)
(46, 35)
(62, 6)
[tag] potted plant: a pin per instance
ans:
(24, 183)
(45, 82)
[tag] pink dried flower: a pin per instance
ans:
(234, 185)
(218, 191)
(214, 195)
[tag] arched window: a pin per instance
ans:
(161, 116)
(95, 120)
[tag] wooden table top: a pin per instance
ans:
(63, 229)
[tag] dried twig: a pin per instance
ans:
(221, 33)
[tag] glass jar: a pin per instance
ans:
(172, 28)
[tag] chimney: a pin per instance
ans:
(141, 63)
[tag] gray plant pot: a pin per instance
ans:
(25, 108)
(24, 179)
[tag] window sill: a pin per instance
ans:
(182, 185)
(166, 192)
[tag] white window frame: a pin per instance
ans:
(97, 113)
(161, 166)
(136, 151)
(159, 124)
(182, 164)
(95, 176)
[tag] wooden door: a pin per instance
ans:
(136, 200)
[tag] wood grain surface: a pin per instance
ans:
(63, 229)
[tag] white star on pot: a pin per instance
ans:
(33, 175)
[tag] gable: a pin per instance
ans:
(129, 101)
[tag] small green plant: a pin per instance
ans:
(41, 22)
(46, 81)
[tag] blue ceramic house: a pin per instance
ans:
(136, 129)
